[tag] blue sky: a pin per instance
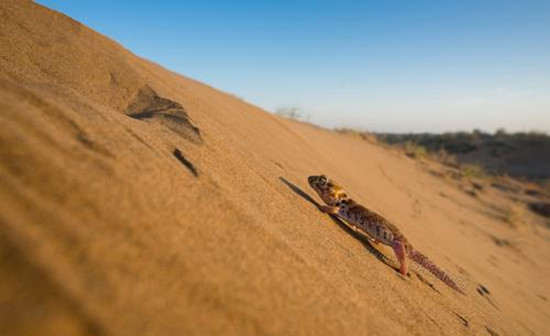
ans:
(390, 66)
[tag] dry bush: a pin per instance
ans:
(358, 134)
(470, 170)
(414, 150)
(515, 213)
(442, 156)
(292, 113)
(349, 131)
(370, 137)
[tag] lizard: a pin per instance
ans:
(378, 228)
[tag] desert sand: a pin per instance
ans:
(136, 201)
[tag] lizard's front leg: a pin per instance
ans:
(329, 209)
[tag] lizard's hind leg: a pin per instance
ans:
(399, 249)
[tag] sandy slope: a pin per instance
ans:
(134, 201)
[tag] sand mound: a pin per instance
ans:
(119, 217)
(148, 105)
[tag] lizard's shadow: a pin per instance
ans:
(357, 235)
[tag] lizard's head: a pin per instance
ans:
(328, 190)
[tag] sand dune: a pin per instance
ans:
(135, 201)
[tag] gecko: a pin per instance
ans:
(378, 228)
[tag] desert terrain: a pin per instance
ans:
(523, 155)
(136, 201)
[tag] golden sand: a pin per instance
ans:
(135, 201)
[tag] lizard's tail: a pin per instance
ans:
(423, 261)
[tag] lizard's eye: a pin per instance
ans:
(322, 179)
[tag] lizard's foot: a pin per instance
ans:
(399, 249)
(328, 209)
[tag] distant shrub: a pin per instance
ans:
(414, 150)
(357, 134)
(444, 157)
(470, 170)
(536, 137)
(515, 214)
(501, 132)
(348, 131)
(370, 137)
(291, 113)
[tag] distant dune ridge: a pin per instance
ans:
(135, 201)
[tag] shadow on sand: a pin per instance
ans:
(357, 235)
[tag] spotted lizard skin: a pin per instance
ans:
(375, 226)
